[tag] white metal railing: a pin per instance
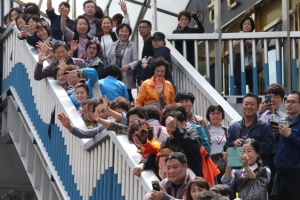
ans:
(186, 77)
(278, 73)
(80, 164)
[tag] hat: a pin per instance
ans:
(158, 35)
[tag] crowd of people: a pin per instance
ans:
(95, 62)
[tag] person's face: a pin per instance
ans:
(42, 33)
(144, 29)
(196, 191)
(249, 107)
(103, 114)
(67, 9)
(183, 22)
(160, 71)
(133, 118)
(176, 171)
(20, 23)
(276, 101)
(87, 113)
(181, 125)
(136, 141)
(247, 26)
(31, 21)
(81, 95)
(157, 43)
(73, 81)
(292, 105)
(106, 25)
(13, 15)
(215, 117)
(82, 27)
(7, 22)
(124, 34)
(61, 77)
(89, 9)
(61, 52)
(187, 104)
(249, 151)
(115, 23)
(92, 51)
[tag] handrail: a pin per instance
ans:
(186, 77)
(108, 159)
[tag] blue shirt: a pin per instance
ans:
(112, 88)
(56, 32)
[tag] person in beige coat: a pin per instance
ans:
(124, 54)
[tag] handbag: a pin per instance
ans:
(254, 189)
(217, 158)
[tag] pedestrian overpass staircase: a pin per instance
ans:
(59, 165)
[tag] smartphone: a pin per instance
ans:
(234, 153)
(268, 99)
(155, 185)
(26, 28)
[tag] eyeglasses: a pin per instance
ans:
(142, 27)
(92, 48)
(218, 113)
(291, 101)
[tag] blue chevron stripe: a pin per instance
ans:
(105, 188)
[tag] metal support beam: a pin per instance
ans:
(286, 46)
(154, 15)
(218, 49)
(106, 11)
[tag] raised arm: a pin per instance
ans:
(49, 5)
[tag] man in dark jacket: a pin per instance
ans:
(251, 127)
(287, 156)
(158, 42)
(182, 139)
(178, 178)
(89, 8)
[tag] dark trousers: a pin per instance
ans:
(130, 95)
(289, 186)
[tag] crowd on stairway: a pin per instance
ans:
(194, 157)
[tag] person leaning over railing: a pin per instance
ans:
(21, 22)
(60, 50)
(93, 48)
(89, 133)
(13, 14)
(184, 18)
(246, 25)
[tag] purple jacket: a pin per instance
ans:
(41, 73)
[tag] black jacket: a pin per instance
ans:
(189, 43)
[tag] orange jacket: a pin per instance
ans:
(148, 95)
(151, 147)
(209, 169)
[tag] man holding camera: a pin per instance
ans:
(251, 127)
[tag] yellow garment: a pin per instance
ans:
(148, 95)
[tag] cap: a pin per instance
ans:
(158, 35)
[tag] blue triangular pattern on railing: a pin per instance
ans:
(55, 147)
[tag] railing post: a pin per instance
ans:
(243, 73)
(286, 45)
(278, 63)
(266, 65)
(196, 54)
(231, 76)
(154, 15)
(294, 66)
(218, 49)
(254, 69)
(207, 61)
